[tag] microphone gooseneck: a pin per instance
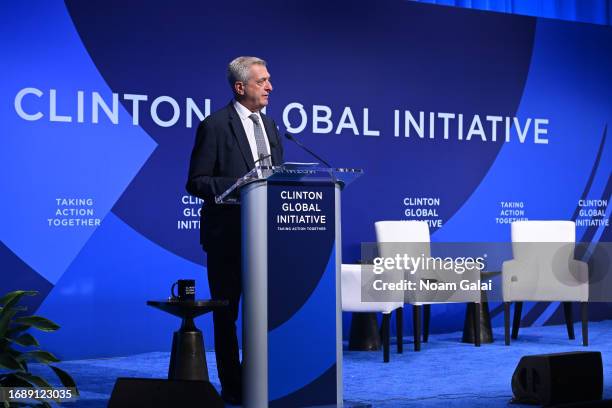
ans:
(297, 142)
(262, 158)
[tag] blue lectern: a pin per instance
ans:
(291, 256)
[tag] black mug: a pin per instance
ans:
(186, 289)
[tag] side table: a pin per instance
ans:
(486, 332)
(364, 335)
(188, 359)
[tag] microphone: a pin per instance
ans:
(297, 142)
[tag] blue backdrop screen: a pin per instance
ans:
(465, 119)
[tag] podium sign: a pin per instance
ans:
(291, 254)
(302, 257)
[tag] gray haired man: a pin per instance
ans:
(227, 145)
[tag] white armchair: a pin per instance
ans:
(351, 292)
(412, 238)
(544, 269)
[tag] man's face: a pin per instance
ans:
(254, 94)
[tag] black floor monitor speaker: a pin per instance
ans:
(549, 379)
(158, 393)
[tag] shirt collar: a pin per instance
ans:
(243, 112)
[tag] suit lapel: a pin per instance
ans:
(241, 137)
(272, 133)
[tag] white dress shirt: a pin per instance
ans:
(249, 128)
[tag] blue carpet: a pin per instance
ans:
(445, 373)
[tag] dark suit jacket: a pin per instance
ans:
(220, 156)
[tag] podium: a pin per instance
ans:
(291, 257)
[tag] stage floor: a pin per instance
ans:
(445, 373)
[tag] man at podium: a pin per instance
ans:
(228, 144)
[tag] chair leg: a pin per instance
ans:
(416, 324)
(385, 333)
(507, 323)
(426, 320)
(584, 313)
(569, 320)
(399, 328)
(516, 322)
(476, 324)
